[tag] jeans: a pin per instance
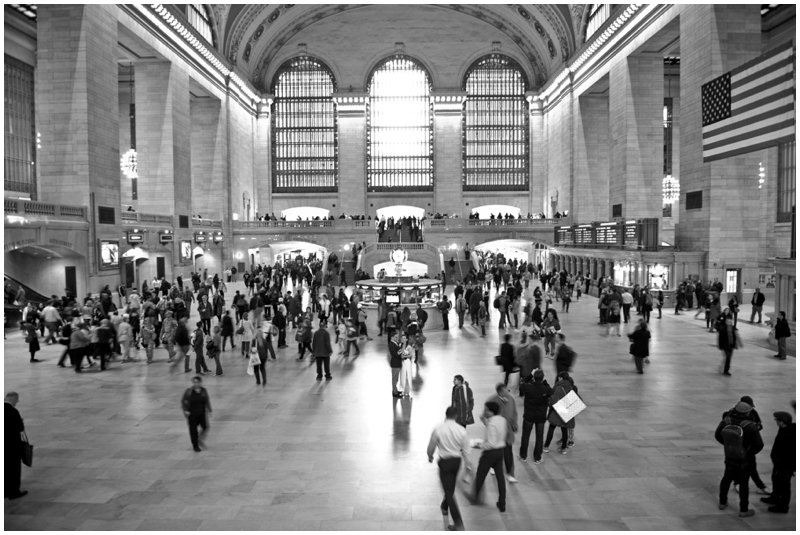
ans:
(564, 436)
(508, 457)
(739, 474)
(260, 371)
(460, 320)
(756, 310)
(639, 364)
(550, 345)
(728, 357)
(217, 359)
(527, 427)
(326, 362)
(626, 313)
(347, 345)
(782, 347)
(200, 362)
(491, 459)
(782, 486)
(448, 474)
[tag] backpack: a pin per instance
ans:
(614, 307)
(733, 439)
(648, 299)
(496, 303)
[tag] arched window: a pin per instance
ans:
(400, 127)
(200, 21)
(304, 133)
(598, 14)
(495, 132)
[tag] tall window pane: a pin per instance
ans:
(20, 129)
(597, 16)
(786, 181)
(198, 18)
(495, 146)
(400, 129)
(304, 144)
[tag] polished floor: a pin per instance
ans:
(113, 452)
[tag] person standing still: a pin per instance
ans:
(321, 350)
(782, 332)
(758, 305)
(727, 337)
(196, 406)
(784, 463)
(737, 455)
(451, 440)
(537, 399)
(395, 361)
(14, 427)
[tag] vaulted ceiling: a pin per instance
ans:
(252, 35)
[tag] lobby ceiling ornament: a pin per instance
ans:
(129, 164)
(671, 189)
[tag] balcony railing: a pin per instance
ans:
(551, 222)
(430, 225)
(291, 224)
(41, 209)
(132, 218)
(211, 223)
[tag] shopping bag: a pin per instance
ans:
(569, 406)
(27, 450)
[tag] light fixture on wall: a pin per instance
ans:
(129, 162)
(761, 174)
(670, 189)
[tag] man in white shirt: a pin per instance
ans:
(492, 456)
(52, 319)
(627, 301)
(451, 439)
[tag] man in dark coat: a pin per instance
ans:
(475, 304)
(738, 470)
(395, 361)
(196, 406)
(537, 398)
(322, 351)
(13, 448)
(784, 463)
(463, 401)
(782, 332)
(565, 356)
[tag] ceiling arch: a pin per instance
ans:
(252, 35)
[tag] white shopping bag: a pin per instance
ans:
(569, 406)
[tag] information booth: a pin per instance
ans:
(402, 292)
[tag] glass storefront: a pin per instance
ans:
(659, 276)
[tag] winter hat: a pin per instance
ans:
(749, 401)
(784, 417)
(742, 408)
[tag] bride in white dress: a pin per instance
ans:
(407, 353)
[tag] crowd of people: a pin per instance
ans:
(409, 228)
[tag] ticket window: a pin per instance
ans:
(624, 274)
(659, 276)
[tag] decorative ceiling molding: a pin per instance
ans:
(578, 11)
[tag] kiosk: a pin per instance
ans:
(402, 292)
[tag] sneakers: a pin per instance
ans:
(765, 490)
(537, 462)
(521, 458)
(512, 479)
(545, 450)
(562, 451)
(723, 506)
(748, 513)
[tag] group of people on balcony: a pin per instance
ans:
(500, 216)
(407, 228)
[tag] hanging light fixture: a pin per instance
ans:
(761, 174)
(670, 189)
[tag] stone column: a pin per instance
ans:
(352, 119)
(636, 100)
(447, 191)
(610, 269)
(714, 40)
(209, 190)
(263, 156)
(590, 194)
(538, 165)
(77, 114)
(163, 144)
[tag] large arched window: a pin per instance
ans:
(598, 14)
(400, 129)
(495, 146)
(200, 21)
(304, 144)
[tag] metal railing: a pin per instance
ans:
(551, 222)
(327, 223)
(129, 218)
(42, 209)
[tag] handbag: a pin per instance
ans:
(498, 360)
(27, 450)
(240, 330)
(569, 406)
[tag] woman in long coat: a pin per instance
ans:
(640, 345)
(463, 401)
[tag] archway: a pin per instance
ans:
(518, 250)
(304, 213)
(486, 211)
(400, 210)
(47, 269)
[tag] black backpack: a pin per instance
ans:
(733, 439)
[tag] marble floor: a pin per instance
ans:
(113, 452)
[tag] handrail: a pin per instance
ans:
(42, 209)
(550, 222)
(131, 218)
(286, 224)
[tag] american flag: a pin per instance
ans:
(751, 107)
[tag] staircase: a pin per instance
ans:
(350, 274)
(403, 236)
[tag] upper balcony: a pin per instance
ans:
(22, 211)
(431, 225)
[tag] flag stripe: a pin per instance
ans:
(750, 117)
(777, 66)
(766, 56)
(756, 107)
(786, 77)
(771, 92)
(770, 126)
(774, 98)
(754, 145)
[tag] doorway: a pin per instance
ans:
(71, 280)
(130, 277)
(161, 270)
(733, 283)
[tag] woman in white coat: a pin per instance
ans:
(407, 352)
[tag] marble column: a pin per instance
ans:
(447, 192)
(351, 109)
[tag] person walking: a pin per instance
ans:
(550, 326)
(782, 332)
(303, 337)
(395, 361)
(183, 343)
(758, 305)
(259, 360)
(196, 405)
(742, 442)
(640, 345)
(322, 351)
(226, 333)
(461, 308)
(246, 331)
(564, 385)
(463, 401)
(727, 341)
(627, 301)
(198, 344)
(508, 410)
(79, 341)
(565, 356)
(493, 447)
(452, 442)
(12, 448)
(784, 463)
(32, 338)
(537, 398)
(214, 348)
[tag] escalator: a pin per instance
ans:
(12, 314)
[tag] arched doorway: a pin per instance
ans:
(400, 210)
(304, 213)
(486, 211)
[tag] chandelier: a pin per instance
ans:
(128, 164)
(670, 189)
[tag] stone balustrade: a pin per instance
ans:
(21, 207)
